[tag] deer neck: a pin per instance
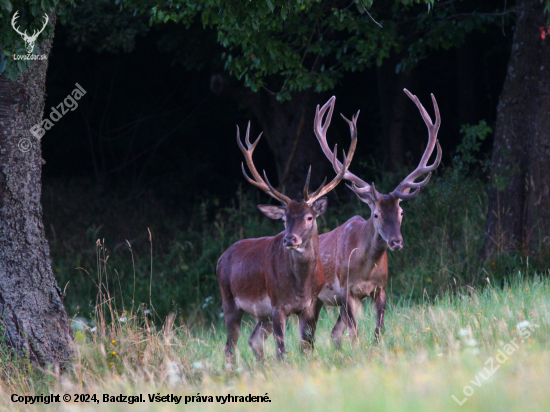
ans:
(303, 261)
(374, 244)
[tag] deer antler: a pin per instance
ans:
(402, 190)
(13, 19)
(358, 185)
(340, 169)
(37, 32)
(257, 181)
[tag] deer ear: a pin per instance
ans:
(273, 212)
(320, 206)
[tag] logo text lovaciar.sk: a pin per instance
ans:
(30, 41)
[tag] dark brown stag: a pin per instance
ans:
(354, 254)
(271, 278)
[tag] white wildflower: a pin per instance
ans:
(523, 324)
(173, 373)
(471, 342)
(462, 333)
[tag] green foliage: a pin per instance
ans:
(444, 225)
(290, 46)
(30, 18)
(507, 170)
(547, 9)
(443, 232)
(471, 142)
(182, 256)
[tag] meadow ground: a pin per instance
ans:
(488, 348)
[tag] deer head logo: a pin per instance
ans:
(30, 41)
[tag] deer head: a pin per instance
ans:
(385, 209)
(30, 41)
(299, 218)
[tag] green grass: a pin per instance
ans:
(429, 352)
(448, 311)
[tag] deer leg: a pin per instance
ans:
(345, 320)
(351, 310)
(339, 328)
(279, 324)
(233, 316)
(380, 307)
(308, 325)
(257, 339)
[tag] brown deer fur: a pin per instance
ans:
(271, 278)
(354, 254)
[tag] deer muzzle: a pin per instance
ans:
(396, 244)
(292, 241)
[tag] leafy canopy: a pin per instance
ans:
(30, 18)
(292, 45)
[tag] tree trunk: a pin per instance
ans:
(32, 314)
(393, 106)
(519, 199)
(288, 128)
(465, 82)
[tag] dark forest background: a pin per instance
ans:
(142, 185)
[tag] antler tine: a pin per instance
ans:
(402, 190)
(417, 186)
(325, 188)
(37, 32)
(306, 186)
(361, 191)
(13, 19)
(273, 192)
(321, 137)
(46, 22)
(257, 181)
(319, 114)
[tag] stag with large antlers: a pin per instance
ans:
(271, 278)
(29, 40)
(354, 254)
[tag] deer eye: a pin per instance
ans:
(375, 216)
(310, 218)
(401, 213)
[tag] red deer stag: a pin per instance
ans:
(271, 278)
(354, 254)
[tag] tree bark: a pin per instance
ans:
(32, 315)
(519, 199)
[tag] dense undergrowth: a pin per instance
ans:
(174, 267)
(155, 255)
